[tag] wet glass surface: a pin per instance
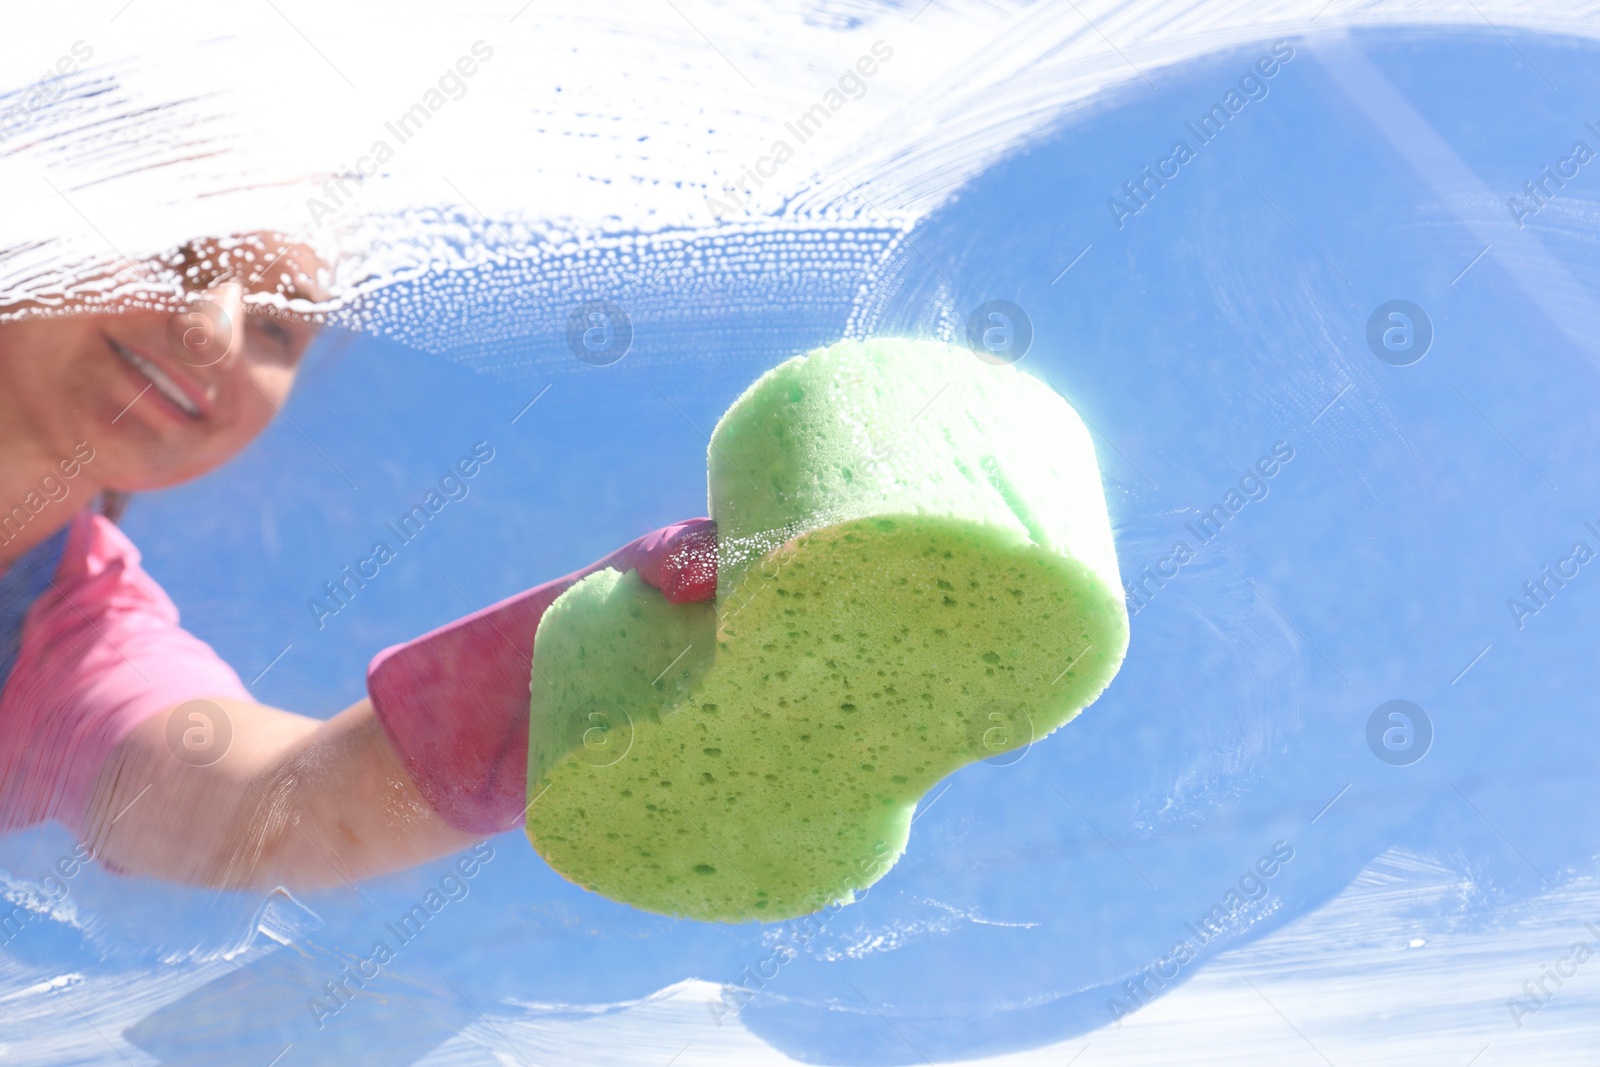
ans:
(1343, 396)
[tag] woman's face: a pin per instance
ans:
(163, 396)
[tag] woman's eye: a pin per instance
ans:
(272, 343)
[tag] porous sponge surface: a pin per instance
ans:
(916, 573)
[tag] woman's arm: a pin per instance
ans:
(294, 801)
(95, 730)
(434, 759)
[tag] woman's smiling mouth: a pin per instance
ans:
(160, 379)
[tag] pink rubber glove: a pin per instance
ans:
(454, 702)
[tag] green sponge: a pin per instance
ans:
(915, 572)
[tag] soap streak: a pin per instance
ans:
(1296, 629)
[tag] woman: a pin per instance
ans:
(132, 732)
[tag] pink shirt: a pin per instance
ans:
(101, 652)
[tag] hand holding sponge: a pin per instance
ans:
(914, 571)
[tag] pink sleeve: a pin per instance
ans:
(101, 652)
